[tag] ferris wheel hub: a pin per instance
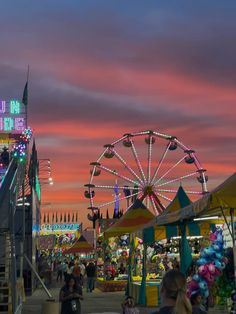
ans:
(148, 190)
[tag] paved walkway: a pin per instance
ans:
(94, 303)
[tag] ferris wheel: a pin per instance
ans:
(146, 165)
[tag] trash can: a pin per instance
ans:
(50, 307)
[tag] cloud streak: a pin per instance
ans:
(98, 72)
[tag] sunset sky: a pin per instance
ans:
(102, 68)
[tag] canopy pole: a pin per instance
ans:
(130, 261)
(227, 223)
(142, 291)
(233, 240)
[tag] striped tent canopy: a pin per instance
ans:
(193, 229)
(162, 228)
(181, 200)
(153, 232)
(133, 220)
(219, 201)
(81, 246)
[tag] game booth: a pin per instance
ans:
(117, 247)
(172, 245)
(212, 271)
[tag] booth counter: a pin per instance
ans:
(111, 285)
(152, 292)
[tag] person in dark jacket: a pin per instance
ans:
(173, 294)
(91, 274)
(70, 296)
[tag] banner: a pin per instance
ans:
(46, 242)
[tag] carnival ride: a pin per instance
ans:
(146, 165)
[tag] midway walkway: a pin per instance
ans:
(94, 303)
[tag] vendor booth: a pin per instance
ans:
(134, 219)
(179, 230)
(81, 248)
(214, 264)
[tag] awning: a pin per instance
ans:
(81, 246)
(220, 199)
(193, 229)
(133, 220)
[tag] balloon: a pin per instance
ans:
(196, 278)
(203, 254)
(219, 256)
(209, 251)
(203, 285)
(206, 294)
(209, 278)
(210, 265)
(218, 264)
(220, 238)
(211, 268)
(202, 270)
(201, 261)
(213, 237)
(193, 285)
(217, 272)
(217, 247)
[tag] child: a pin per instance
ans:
(196, 301)
(128, 306)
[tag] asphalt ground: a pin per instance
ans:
(93, 303)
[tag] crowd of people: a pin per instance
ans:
(77, 274)
(174, 299)
(71, 293)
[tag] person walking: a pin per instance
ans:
(77, 274)
(69, 269)
(70, 296)
(64, 269)
(173, 294)
(82, 270)
(91, 273)
(60, 268)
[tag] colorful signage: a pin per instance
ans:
(60, 227)
(12, 116)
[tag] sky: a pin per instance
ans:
(101, 68)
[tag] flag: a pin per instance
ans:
(25, 95)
